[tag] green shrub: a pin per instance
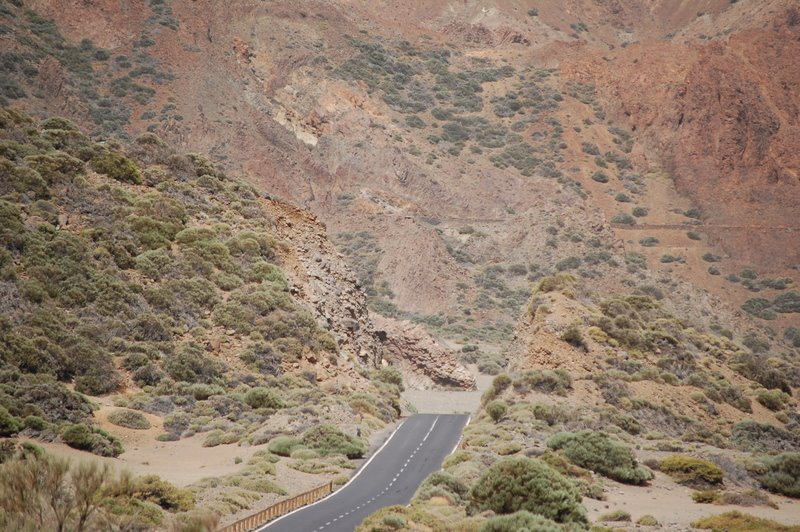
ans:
(304, 454)
(649, 241)
(782, 474)
(218, 437)
(327, 439)
(773, 399)
(757, 437)
(192, 365)
(690, 470)
(117, 166)
(283, 445)
(36, 423)
(9, 425)
(443, 484)
(96, 441)
(129, 419)
(514, 484)
(600, 177)
(394, 521)
(519, 522)
(388, 375)
(600, 453)
(496, 410)
(261, 397)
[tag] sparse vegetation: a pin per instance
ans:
(740, 522)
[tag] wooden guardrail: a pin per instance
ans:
(278, 509)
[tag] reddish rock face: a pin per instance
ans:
(724, 118)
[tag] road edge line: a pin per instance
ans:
(460, 438)
(360, 470)
(469, 418)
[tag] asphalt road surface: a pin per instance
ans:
(390, 476)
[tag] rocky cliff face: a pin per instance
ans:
(426, 364)
(320, 278)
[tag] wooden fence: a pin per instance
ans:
(278, 509)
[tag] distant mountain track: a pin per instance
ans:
(686, 227)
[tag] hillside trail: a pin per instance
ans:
(447, 401)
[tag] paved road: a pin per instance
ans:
(391, 476)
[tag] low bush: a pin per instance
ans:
(740, 522)
(782, 474)
(557, 381)
(690, 470)
(97, 441)
(496, 410)
(514, 484)
(614, 517)
(647, 520)
(572, 335)
(327, 439)
(261, 397)
(600, 453)
(520, 521)
(705, 496)
(443, 484)
(129, 419)
(757, 437)
(283, 445)
(9, 425)
(773, 399)
(117, 166)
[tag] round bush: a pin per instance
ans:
(600, 453)
(261, 397)
(129, 419)
(9, 425)
(519, 483)
(283, 445)
(496, 410)
(690, 470)
(327, 439)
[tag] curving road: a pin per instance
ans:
(391, 476)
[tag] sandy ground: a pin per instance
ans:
(187, 461)
(672, 505)
(446, 401)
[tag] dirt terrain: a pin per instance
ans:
(461, 189)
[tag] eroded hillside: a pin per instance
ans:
(595, 199)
